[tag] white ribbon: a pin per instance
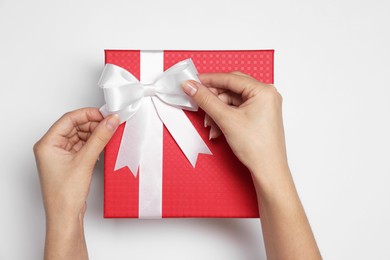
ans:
(140, 105)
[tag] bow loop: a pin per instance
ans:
(168, 85)
(122, 91)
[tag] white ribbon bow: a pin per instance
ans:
(127, 97)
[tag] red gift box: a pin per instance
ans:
(219, 185)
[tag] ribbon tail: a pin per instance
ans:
(182, 130)
(132, 143)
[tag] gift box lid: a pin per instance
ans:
(219, 185)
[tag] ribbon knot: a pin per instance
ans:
(149, 90)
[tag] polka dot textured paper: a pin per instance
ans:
(219, 186)
(258, 64)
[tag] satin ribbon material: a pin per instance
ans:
(130, 99)
(124, 93)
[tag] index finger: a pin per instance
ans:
(228, 81)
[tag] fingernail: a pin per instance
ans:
(206, 122)
(189, 88)
(211, 135)
(113, 122)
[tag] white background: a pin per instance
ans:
(332, 65)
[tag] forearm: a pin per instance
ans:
(65, 239)
(286, 230)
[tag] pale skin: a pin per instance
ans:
(247, 112)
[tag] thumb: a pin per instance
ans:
(99, 138)
(207, 100)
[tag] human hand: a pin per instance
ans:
(248, 113)
(65, 158)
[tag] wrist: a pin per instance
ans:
(64, 225)
(63, 213)
(64, 222)
(65, 238)
(272, 182)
